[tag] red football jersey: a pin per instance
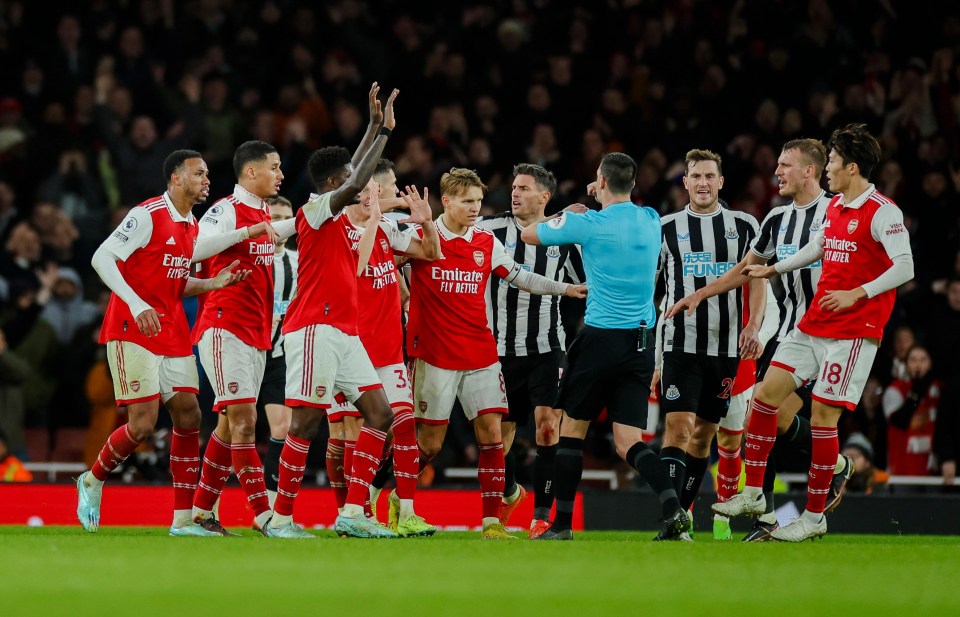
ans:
(909, 451)
(245, 309)
(858, 241)
(159, 244)
(378, 293)
(327, 271)
(448, 325)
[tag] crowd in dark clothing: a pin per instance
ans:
(94, 95)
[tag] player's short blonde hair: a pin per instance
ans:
(812, 151)
(459, 180)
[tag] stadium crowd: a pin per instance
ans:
(94, 97)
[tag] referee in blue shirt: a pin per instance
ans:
(611, 362)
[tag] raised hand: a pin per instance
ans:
(389, 119)
(374, 205)
(262, 228)
(420, 210)
(376, 112)
(230, 275)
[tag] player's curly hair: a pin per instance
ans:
(458, 180)
(544, 178)
(856, 145)
(327, 162)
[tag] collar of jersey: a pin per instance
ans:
(446, 234)
(859, 201)
(816, 200)
(690, 211)
(247, 198)
(174, 213)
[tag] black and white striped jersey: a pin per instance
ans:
(698, 249)
(284, 287)
(526, 324)
(784, 231)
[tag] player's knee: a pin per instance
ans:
(546, 435)
(679, 429)
(304, 427)
(243, 429)
(380, 418)
(141, 428)
(430, 448)
(280, 428)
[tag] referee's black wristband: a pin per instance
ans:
(384, 131)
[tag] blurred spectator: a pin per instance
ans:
(13, 372)
(138, 155)
(22, 255)
(867, 478)
(869, 420)
(11, 468)
(67, 311)
(910, 404)
(941, 325)
(8, 208)
(75, 191)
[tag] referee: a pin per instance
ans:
(611, 361)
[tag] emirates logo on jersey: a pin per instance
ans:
(321, 390)
(852, 226)
(478, 257)
(135, 385)
(233, 387)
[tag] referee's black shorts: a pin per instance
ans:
(697, 383)
(273, 387)
(531, 382)
(606, 368)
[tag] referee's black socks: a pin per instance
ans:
(654, 471)
(271, 463)
(569, 471)
(675, 462)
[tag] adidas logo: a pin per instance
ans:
(171, 240)
(829, 390)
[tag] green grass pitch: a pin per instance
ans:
(143, 572)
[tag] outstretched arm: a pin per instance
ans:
(732, 279)
(376, 119)
(347, 193)
(225, 278)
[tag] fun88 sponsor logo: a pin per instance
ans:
(701, 264)
(785, 251)
(279, 304)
